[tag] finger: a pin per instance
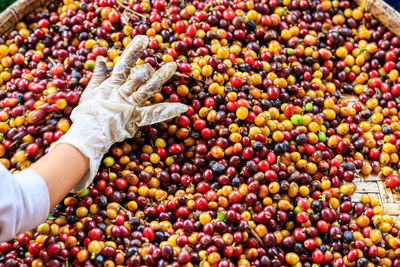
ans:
(159, 112)
(129, 57)
(153, 85)
(99, 72)
(139, 75)
(98, 76)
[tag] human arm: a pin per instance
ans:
(110, 110)
(24, 197)
(61, 169)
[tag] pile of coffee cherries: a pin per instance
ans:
(258, 172)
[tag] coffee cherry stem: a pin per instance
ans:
(256, 236)
(52, 61)
(128, 213)
(124, 4)
(180, 75)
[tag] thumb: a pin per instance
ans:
(159, 112)
(99, 72)
(98, 76)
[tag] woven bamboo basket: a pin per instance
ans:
(372, 185)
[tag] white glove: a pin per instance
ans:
(111, 110)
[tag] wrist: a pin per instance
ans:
(61, 169)
(91, 144)
(87, 140)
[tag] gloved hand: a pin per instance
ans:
(111, 110)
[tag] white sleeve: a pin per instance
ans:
(24, 202)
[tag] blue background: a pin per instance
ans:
(394, 3)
